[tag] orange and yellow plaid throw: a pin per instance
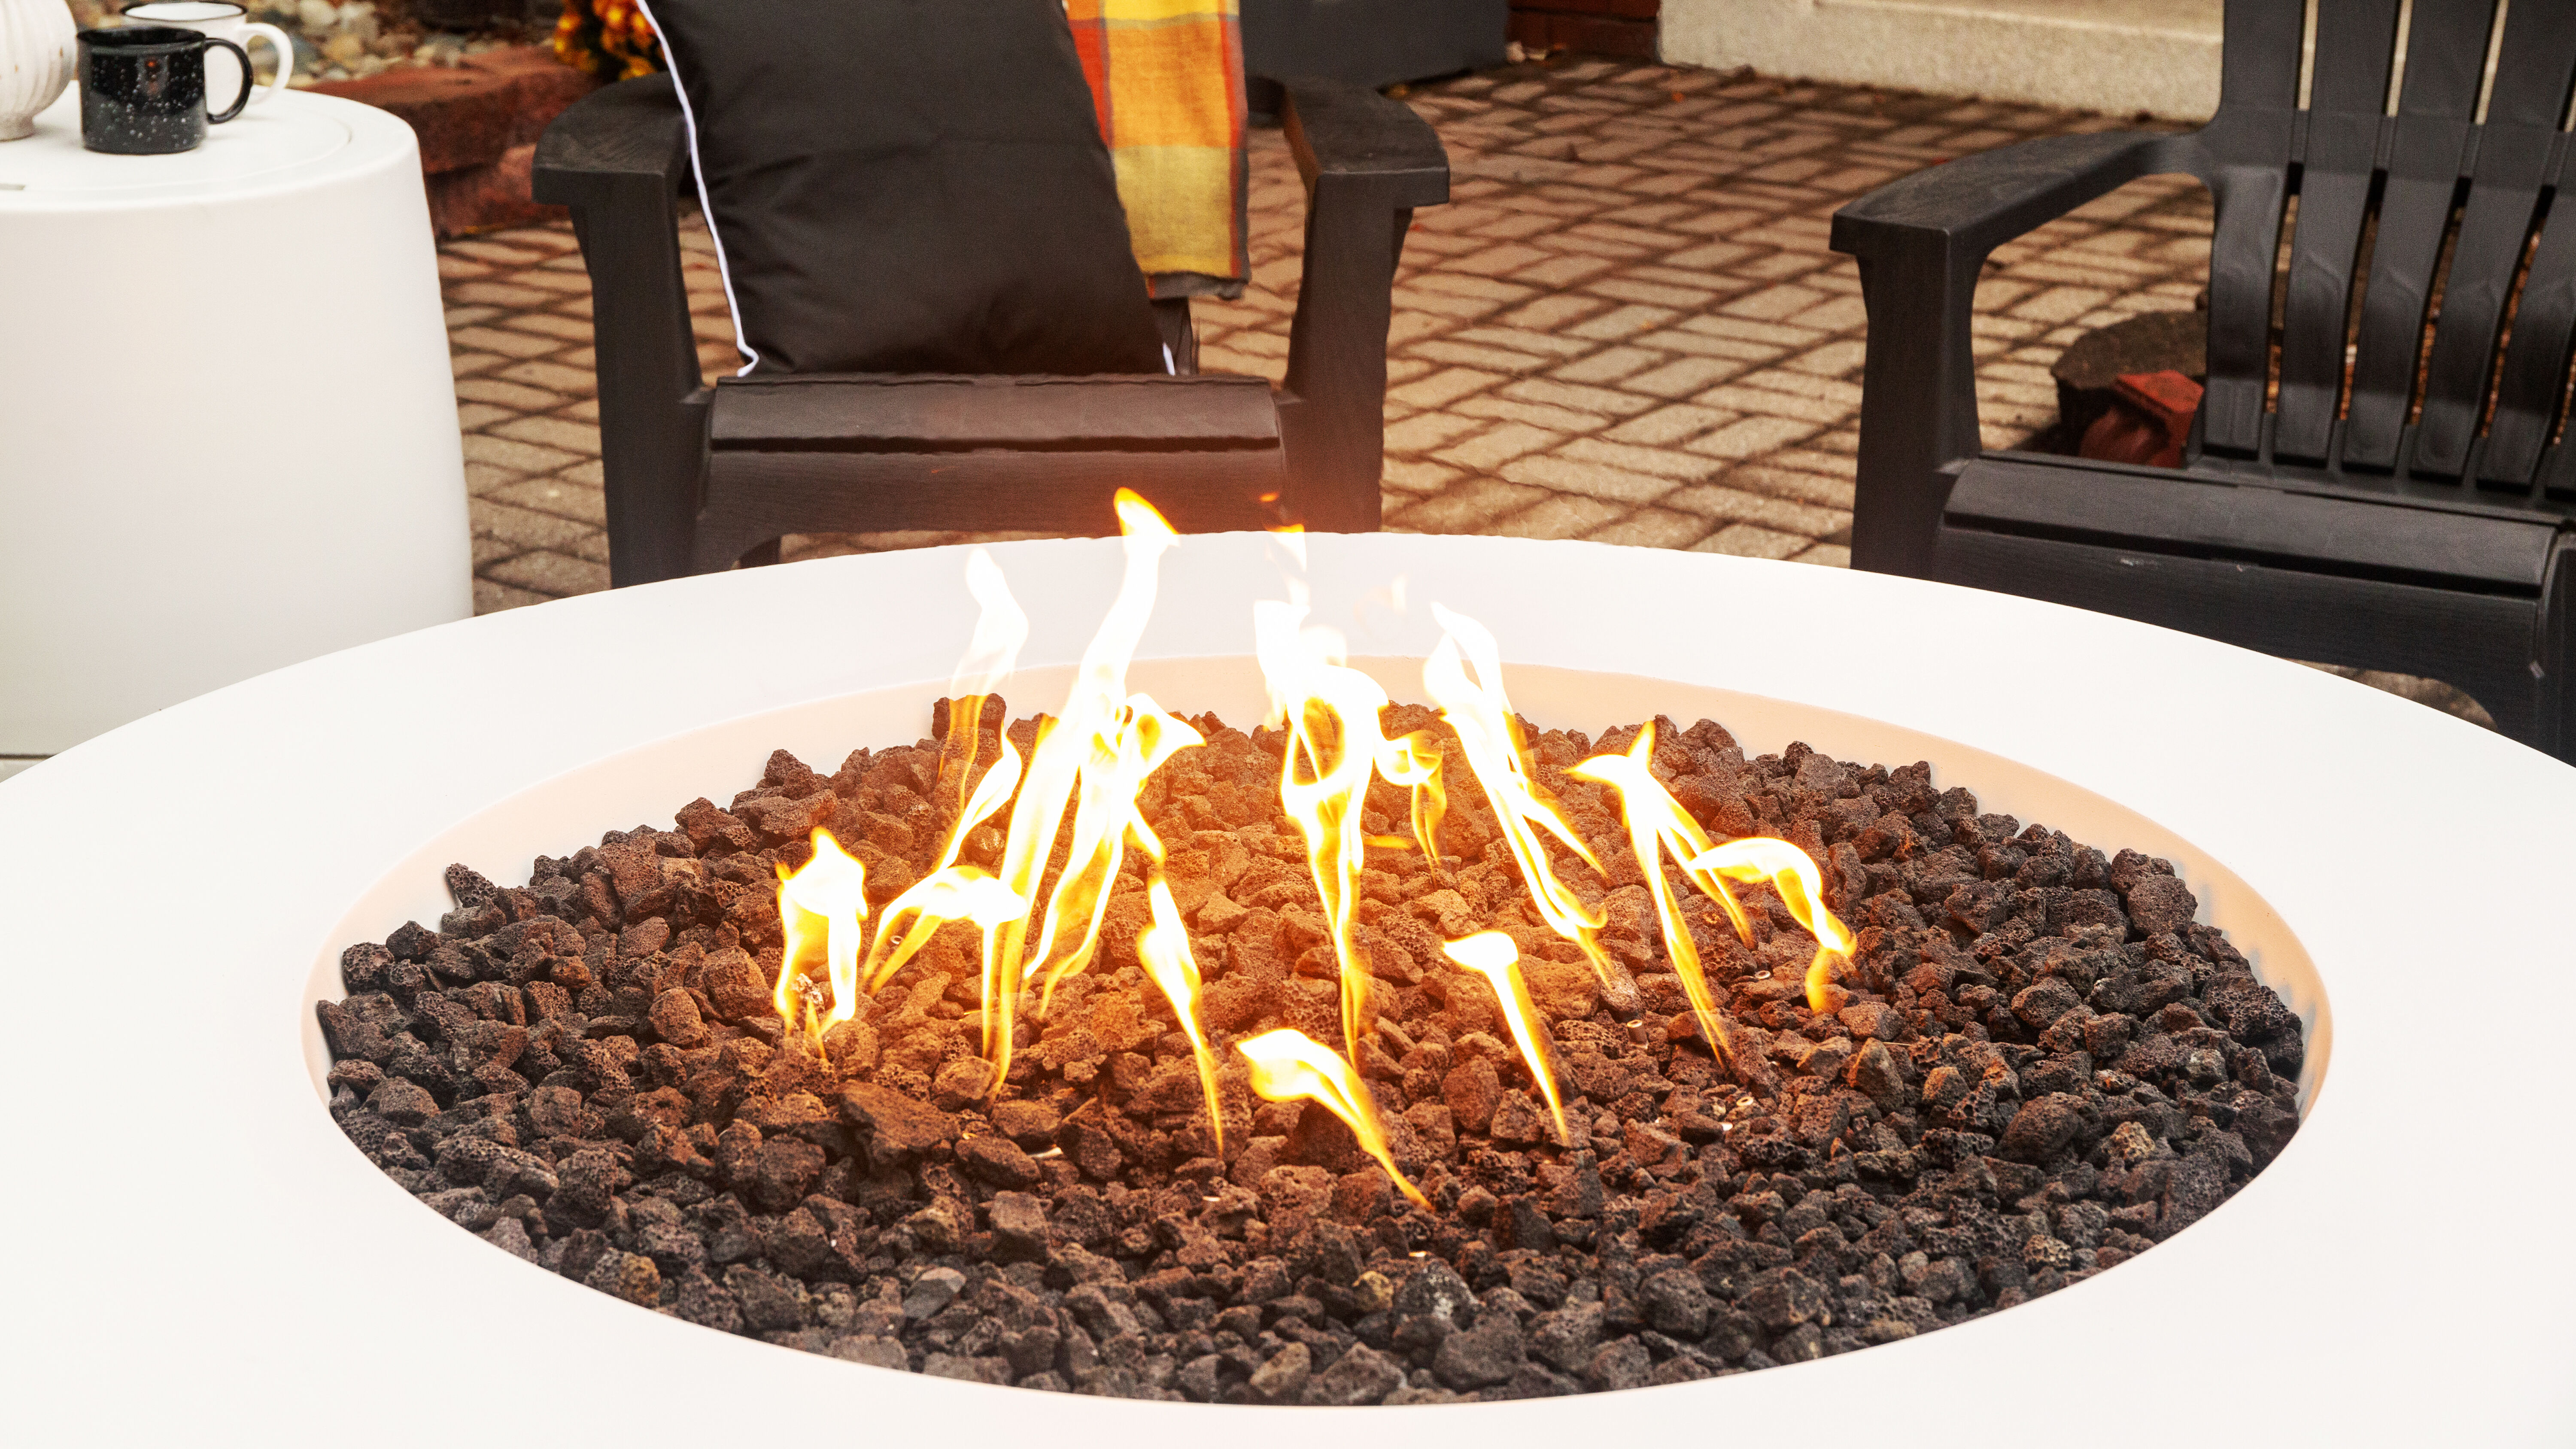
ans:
(1167, 76)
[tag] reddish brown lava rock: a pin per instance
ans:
(2037, 1066)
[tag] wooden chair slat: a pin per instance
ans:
(2515, 147)
(2446, 59)
(2446, 48)
(2414, 215)
(2334, 204)
(2494, 228)
(2532, 67)
(2531, 383)
(2258, 67)
(2356, 42)
(2259, 95)
(2247, 236)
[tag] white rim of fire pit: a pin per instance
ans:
(199, 1254)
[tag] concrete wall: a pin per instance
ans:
(2114, 56)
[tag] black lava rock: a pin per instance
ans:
(2036, 1066)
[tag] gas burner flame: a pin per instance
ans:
(1657, 823)
(1164, 948)
(1083, 774)
(1335, 748)
(1496, 957)
(1287, 1064)
(823, 902)
(1490, 733)
(1793, 874)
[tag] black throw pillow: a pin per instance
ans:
(908, 186)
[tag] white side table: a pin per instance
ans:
(227, 425)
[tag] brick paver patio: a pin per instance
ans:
(1625, 326)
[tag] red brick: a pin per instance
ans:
(546, 85)
(462, 117)
(483, 198)
(467, 116)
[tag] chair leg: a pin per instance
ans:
(1180, 338)
(2555, 656)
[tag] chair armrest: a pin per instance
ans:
(630, 131)
(618, 158)
(1367, 162)
(1985, 200)
(1921, 242)
(1352, 133)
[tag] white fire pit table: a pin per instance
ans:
(199, 1253)
(227, 426)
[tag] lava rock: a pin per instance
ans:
(1485, 1354)
(2035, 1066)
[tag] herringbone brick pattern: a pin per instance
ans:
(1626, 326)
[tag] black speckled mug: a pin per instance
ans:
(143, 89)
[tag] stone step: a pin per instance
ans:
(2119, 57)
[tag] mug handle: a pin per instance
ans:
(248, 84)
(278, 41)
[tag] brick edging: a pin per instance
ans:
(478, 124)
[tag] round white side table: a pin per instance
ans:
(227, 426)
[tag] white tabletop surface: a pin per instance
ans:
(297, 139)
(201, 1255)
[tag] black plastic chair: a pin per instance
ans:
(701, 477)
(2410, 510)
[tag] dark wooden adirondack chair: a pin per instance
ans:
(2409, 509)
(700, 477)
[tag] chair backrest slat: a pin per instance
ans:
(2533, 381)
(2446, 49)
(2259, 91)
(2347, 98)
(2534, 67)
(2259, 67)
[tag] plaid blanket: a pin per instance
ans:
(1167, 76)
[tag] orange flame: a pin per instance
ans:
(1802, 888)
(1482, 715)
(1494, 956)
(1099, 738)
(824, 900)
(1335, 747)
(1164, 947)
(1001, 628)
(952, 891)
(1288, 1064)
(928, 901)
(1657, 822)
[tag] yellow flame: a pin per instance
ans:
(1164, 947)
(1657, 822)
(1001, 628)
(1802, 888)
(952, 891)
(1136, 742)
(947, 883)
(1490, 734)
(1334, 747)
(1494, 956)
(825, 900)
(1083, 740)
(1287, 1064)
(1413, 761)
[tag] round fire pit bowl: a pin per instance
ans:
(196, 1244)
